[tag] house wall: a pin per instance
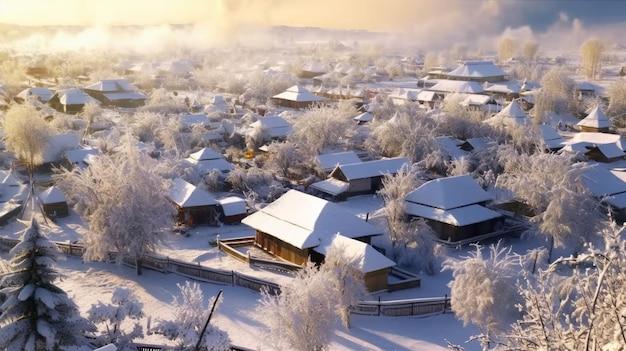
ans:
(377, 280)
(280, 248)
(293, 104)
(452, 233)
(360, 185)
(199, 215)
(593, 129)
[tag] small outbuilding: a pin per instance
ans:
(194, 206)
(54, 202)
(296, 97)
(116, 92)
(233, 209)
(70, 101)
(596, 121)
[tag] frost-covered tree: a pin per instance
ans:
(26, 134)
(322, 127)
(305, 314)
(507, 48)
(110, 318)
(484, 289)
(530, 50)
(558, 86)
(37, 314)
(617, 102)
(190, 317)
(563, 204)
(122, 198)
(591, 52)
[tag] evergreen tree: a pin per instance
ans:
(37, 315)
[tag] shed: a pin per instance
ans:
(295, 223)
(374, 266)
(233, 209)
(454, 208)
(54, 202)
(296, 97)
(194, 206)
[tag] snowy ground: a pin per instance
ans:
(87, 283)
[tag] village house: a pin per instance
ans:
(455, 208)
(70, 101)
(601, 147)
(194, 206)
(328, 162)
(298, 227)
(296, 97)
(53, 202)
(207, 160)
(595, 121)
(116, 92)
(358, 178)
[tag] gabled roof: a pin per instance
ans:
(367, 258)
(206, 154)
(329, 161)
(305, 221)
(371, 169)
(596, 119)
(512, 110)
(449, 193)
(510, 115)
(112, 85)
(477, 69)
(460, 216)
(297, 93)
(11, 180)
(602, 182)
(551, 138)
(331, 186)
(208, 165)
(57, 144)
(597, 138)
(450, 146)
(185, 194)
(42, 94)
(52, 195)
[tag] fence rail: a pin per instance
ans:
(159, 263)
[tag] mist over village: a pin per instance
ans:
(312, 175)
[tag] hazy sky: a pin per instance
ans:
(380, 15)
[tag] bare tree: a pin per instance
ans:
(591, 52)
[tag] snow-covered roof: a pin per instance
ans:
(277, 125)
(187, 195)
(74, 96)
(512, 114)
(78, 155)
(329, 161)
(597, 138)
(208, 165)
(550, 137)
(297, 93)
(52, 195)
(125, 95)
(460, 216)
(331, 186)
(602, 182)
(206, 154)
(476, 100)
(457, 86)
(477, 69)
(449, 193)
(175, 67)
(596, 119)
(373, 168)
(426, 95)
(405, 94)
(450, 146)
(112, 85)
(305, 221)
(477, 143)
(58, 144)
(365, 256)
(617, 201)
(364, 117)
(315, 66)
(505, 87)
(512, 110)
(11, 180)
(42, 94)
(233, 205)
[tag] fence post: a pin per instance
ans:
(379, 305)
(445, 303)
(233, 275)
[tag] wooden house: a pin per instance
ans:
(511, 115)
(358, 178)
(328, 162)
(194, 206)
(602, 147)
(478, 71)
(454, 208)
(116, 92)
(596, 121)
(70, 101)
(54, 202)
(296, 97)
(207, 160)
(374, 266)
(296, 223)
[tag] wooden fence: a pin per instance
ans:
(410, 307)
